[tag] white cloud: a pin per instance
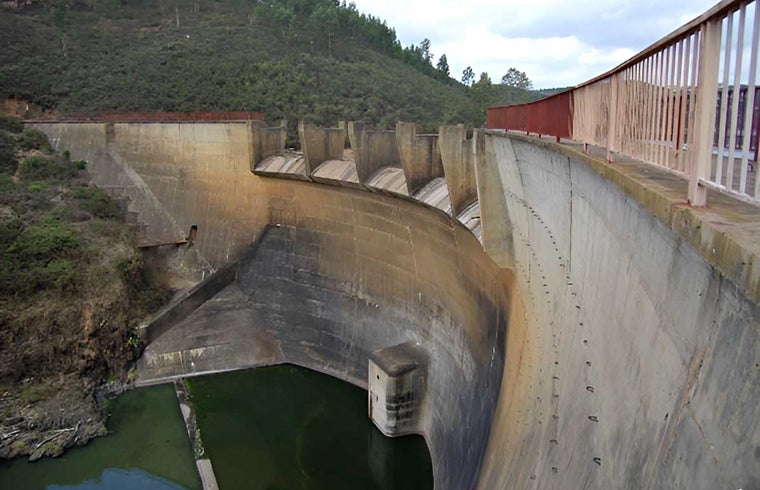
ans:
(556, 42)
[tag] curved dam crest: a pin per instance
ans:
(613, 356)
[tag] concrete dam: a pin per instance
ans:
(557, 321)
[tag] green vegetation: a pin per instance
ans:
(67, 305)
(6, 182)
(46, 168)
(142, 281)
(33, 139)
(318, 59)
(10, 124)
(516, 78)
(46, 240)
(8, 160)
(95, 201)
(45, 222)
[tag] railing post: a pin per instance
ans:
(700, 155)
(612, 144)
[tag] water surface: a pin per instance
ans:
(280, 427)
(147, 448)
(285, 427)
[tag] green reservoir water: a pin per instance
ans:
(275, 428)
(147, 448)
(288, 428)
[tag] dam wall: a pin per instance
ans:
(626, 326)
(638, 365)
(342, 273)
(334, 295)
(177, 175)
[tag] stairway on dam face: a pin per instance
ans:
(627, 333)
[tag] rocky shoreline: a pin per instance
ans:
(44, 418)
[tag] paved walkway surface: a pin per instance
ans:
(621, 159)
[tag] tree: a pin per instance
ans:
(325, 18)
(516, 78)
(443, 65)
(484, 81)
(281, 13)
(60, 19)
(425, 50)
(468, 76)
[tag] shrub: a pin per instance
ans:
(37, 186)
(97, 202)
(61, 273)
(144, 286)
(37, 258)
(8, 160)
(34, 139)
(130, 269)
(37, 168)
(45, 241)
(6, 182)
(40, 168)
(38, 276)
(10, 229)
(10, 124)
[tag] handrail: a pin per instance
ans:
(688, 103)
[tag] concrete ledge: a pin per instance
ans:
(377, 190)
(189, 302)
(282, 175)
(726, 232)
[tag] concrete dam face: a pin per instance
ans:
(594, 334)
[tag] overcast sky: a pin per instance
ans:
(558, 43)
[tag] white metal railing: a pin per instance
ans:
(688, 103)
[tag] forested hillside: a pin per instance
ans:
(317, 59)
